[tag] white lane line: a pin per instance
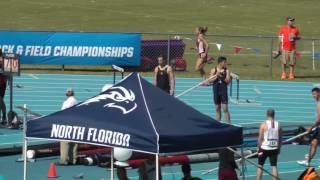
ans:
(257, 90)
(33, 76)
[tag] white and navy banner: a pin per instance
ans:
(73, 48)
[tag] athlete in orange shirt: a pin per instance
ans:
(288, 35)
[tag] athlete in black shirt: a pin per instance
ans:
(163, 77)
(220, 83)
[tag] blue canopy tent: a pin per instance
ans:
(136, 115)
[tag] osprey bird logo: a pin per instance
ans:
(116, 97)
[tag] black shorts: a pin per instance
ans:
(315, 134)
(220, 97)
(272, 154)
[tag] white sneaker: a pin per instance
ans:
(303, 162)
(306, 156)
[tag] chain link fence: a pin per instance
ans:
(246, 54)
(315, 53)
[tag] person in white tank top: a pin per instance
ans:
(269, 144)
(200, 43)
(314, 130)
(271, 135)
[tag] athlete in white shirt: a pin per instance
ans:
(315, 134)
(71, 100)
(269, 143)
(68, 150)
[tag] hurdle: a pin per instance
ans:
(116, 69)
(238, 101)
(236, 77)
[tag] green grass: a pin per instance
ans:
(233, 17)
(222, 17)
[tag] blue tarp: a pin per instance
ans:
(136, 115)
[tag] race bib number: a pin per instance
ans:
(273, 143)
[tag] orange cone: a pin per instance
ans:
(52, 171)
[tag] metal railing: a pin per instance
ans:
(245, 48)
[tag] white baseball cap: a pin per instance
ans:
(69, 90)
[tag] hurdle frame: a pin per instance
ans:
(238, 101)
(234, 76)
(116, 69)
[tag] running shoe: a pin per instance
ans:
(303, 162)
(306, 156)
(283, 76)
(291, 76)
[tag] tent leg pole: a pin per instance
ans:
(157, 167)
(25, 160)
(111, 166)
(25, 144)
(242, 164)
(313, 65)
(11, 92)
